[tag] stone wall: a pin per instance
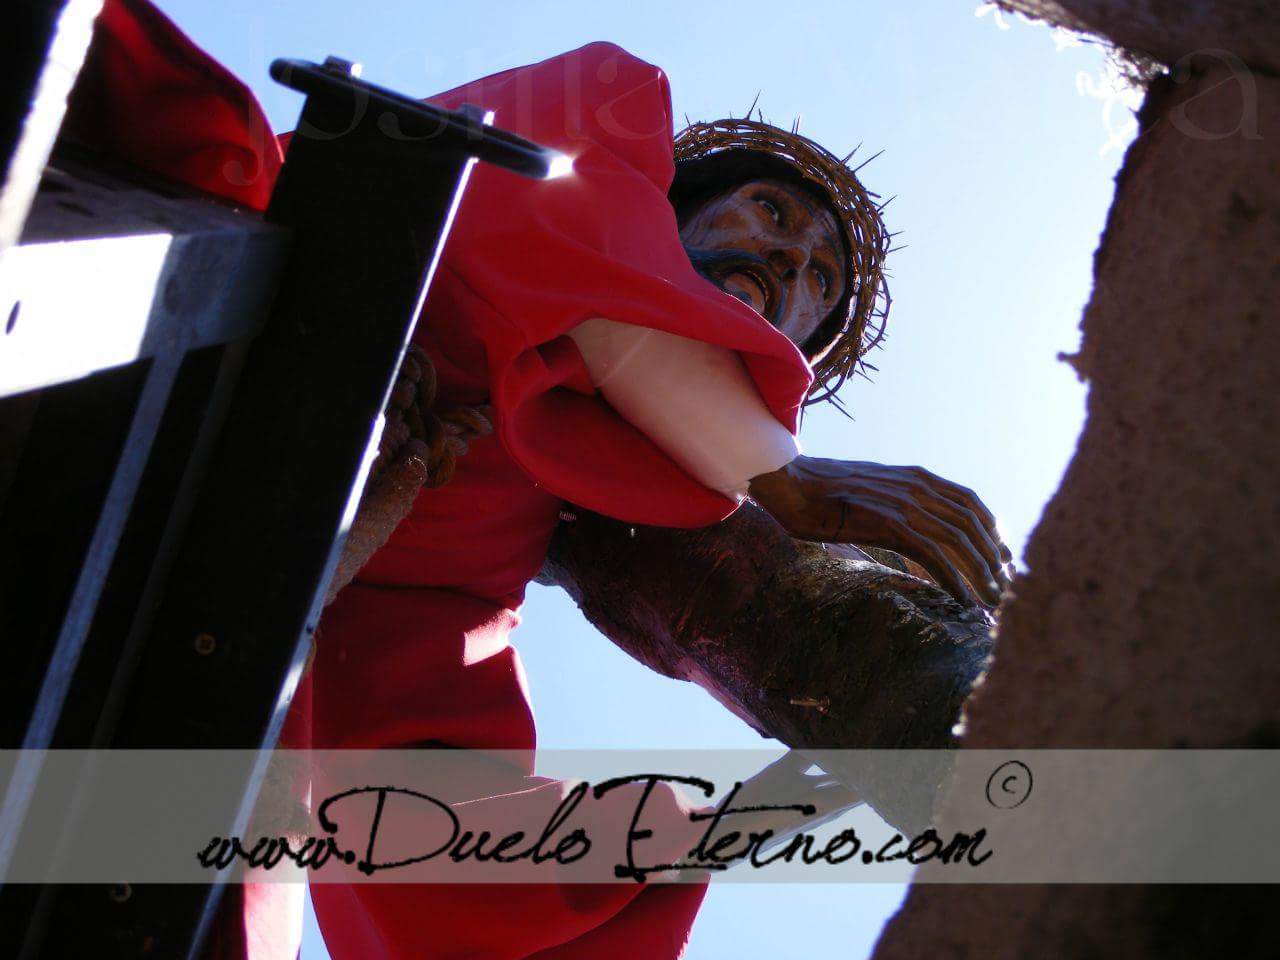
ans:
(1150, 612)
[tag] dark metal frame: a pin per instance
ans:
(179, 502)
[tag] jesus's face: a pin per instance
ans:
(773, 246)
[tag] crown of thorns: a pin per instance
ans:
(856, 324)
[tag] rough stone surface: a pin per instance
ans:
(1248, 30)
(1150, 611)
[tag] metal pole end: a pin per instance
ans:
(348, 68)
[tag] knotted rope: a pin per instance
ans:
(419, 448)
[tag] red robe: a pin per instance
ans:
(417, 649)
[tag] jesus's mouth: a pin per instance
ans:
(744, 275)
(750, 288)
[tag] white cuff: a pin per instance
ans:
(695, 400)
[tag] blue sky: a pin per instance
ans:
(1003, 175)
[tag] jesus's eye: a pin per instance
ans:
(770, 209)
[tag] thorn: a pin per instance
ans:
(849, 156)
(795, 124)
(747, 115)
(896, 249)
(887, 202)
(687, 121)
(866, 161)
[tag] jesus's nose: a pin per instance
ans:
(788, 259)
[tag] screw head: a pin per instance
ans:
(347, 68)
(120, 892)
(205, 644)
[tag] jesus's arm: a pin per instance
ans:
(696, 402)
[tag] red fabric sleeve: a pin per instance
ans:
(151, 98)
(527, 261)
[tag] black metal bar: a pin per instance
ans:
(268, 525)
(165, 495)
(51, 698)
(412, 122)
(177, 470)
(97, 562)
(47, 522)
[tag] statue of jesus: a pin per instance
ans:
(645, 332)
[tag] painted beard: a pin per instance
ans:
(745, 275)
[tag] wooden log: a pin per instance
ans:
(813, 648)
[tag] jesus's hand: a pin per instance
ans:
(941, 525)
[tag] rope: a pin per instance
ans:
(419, 448)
